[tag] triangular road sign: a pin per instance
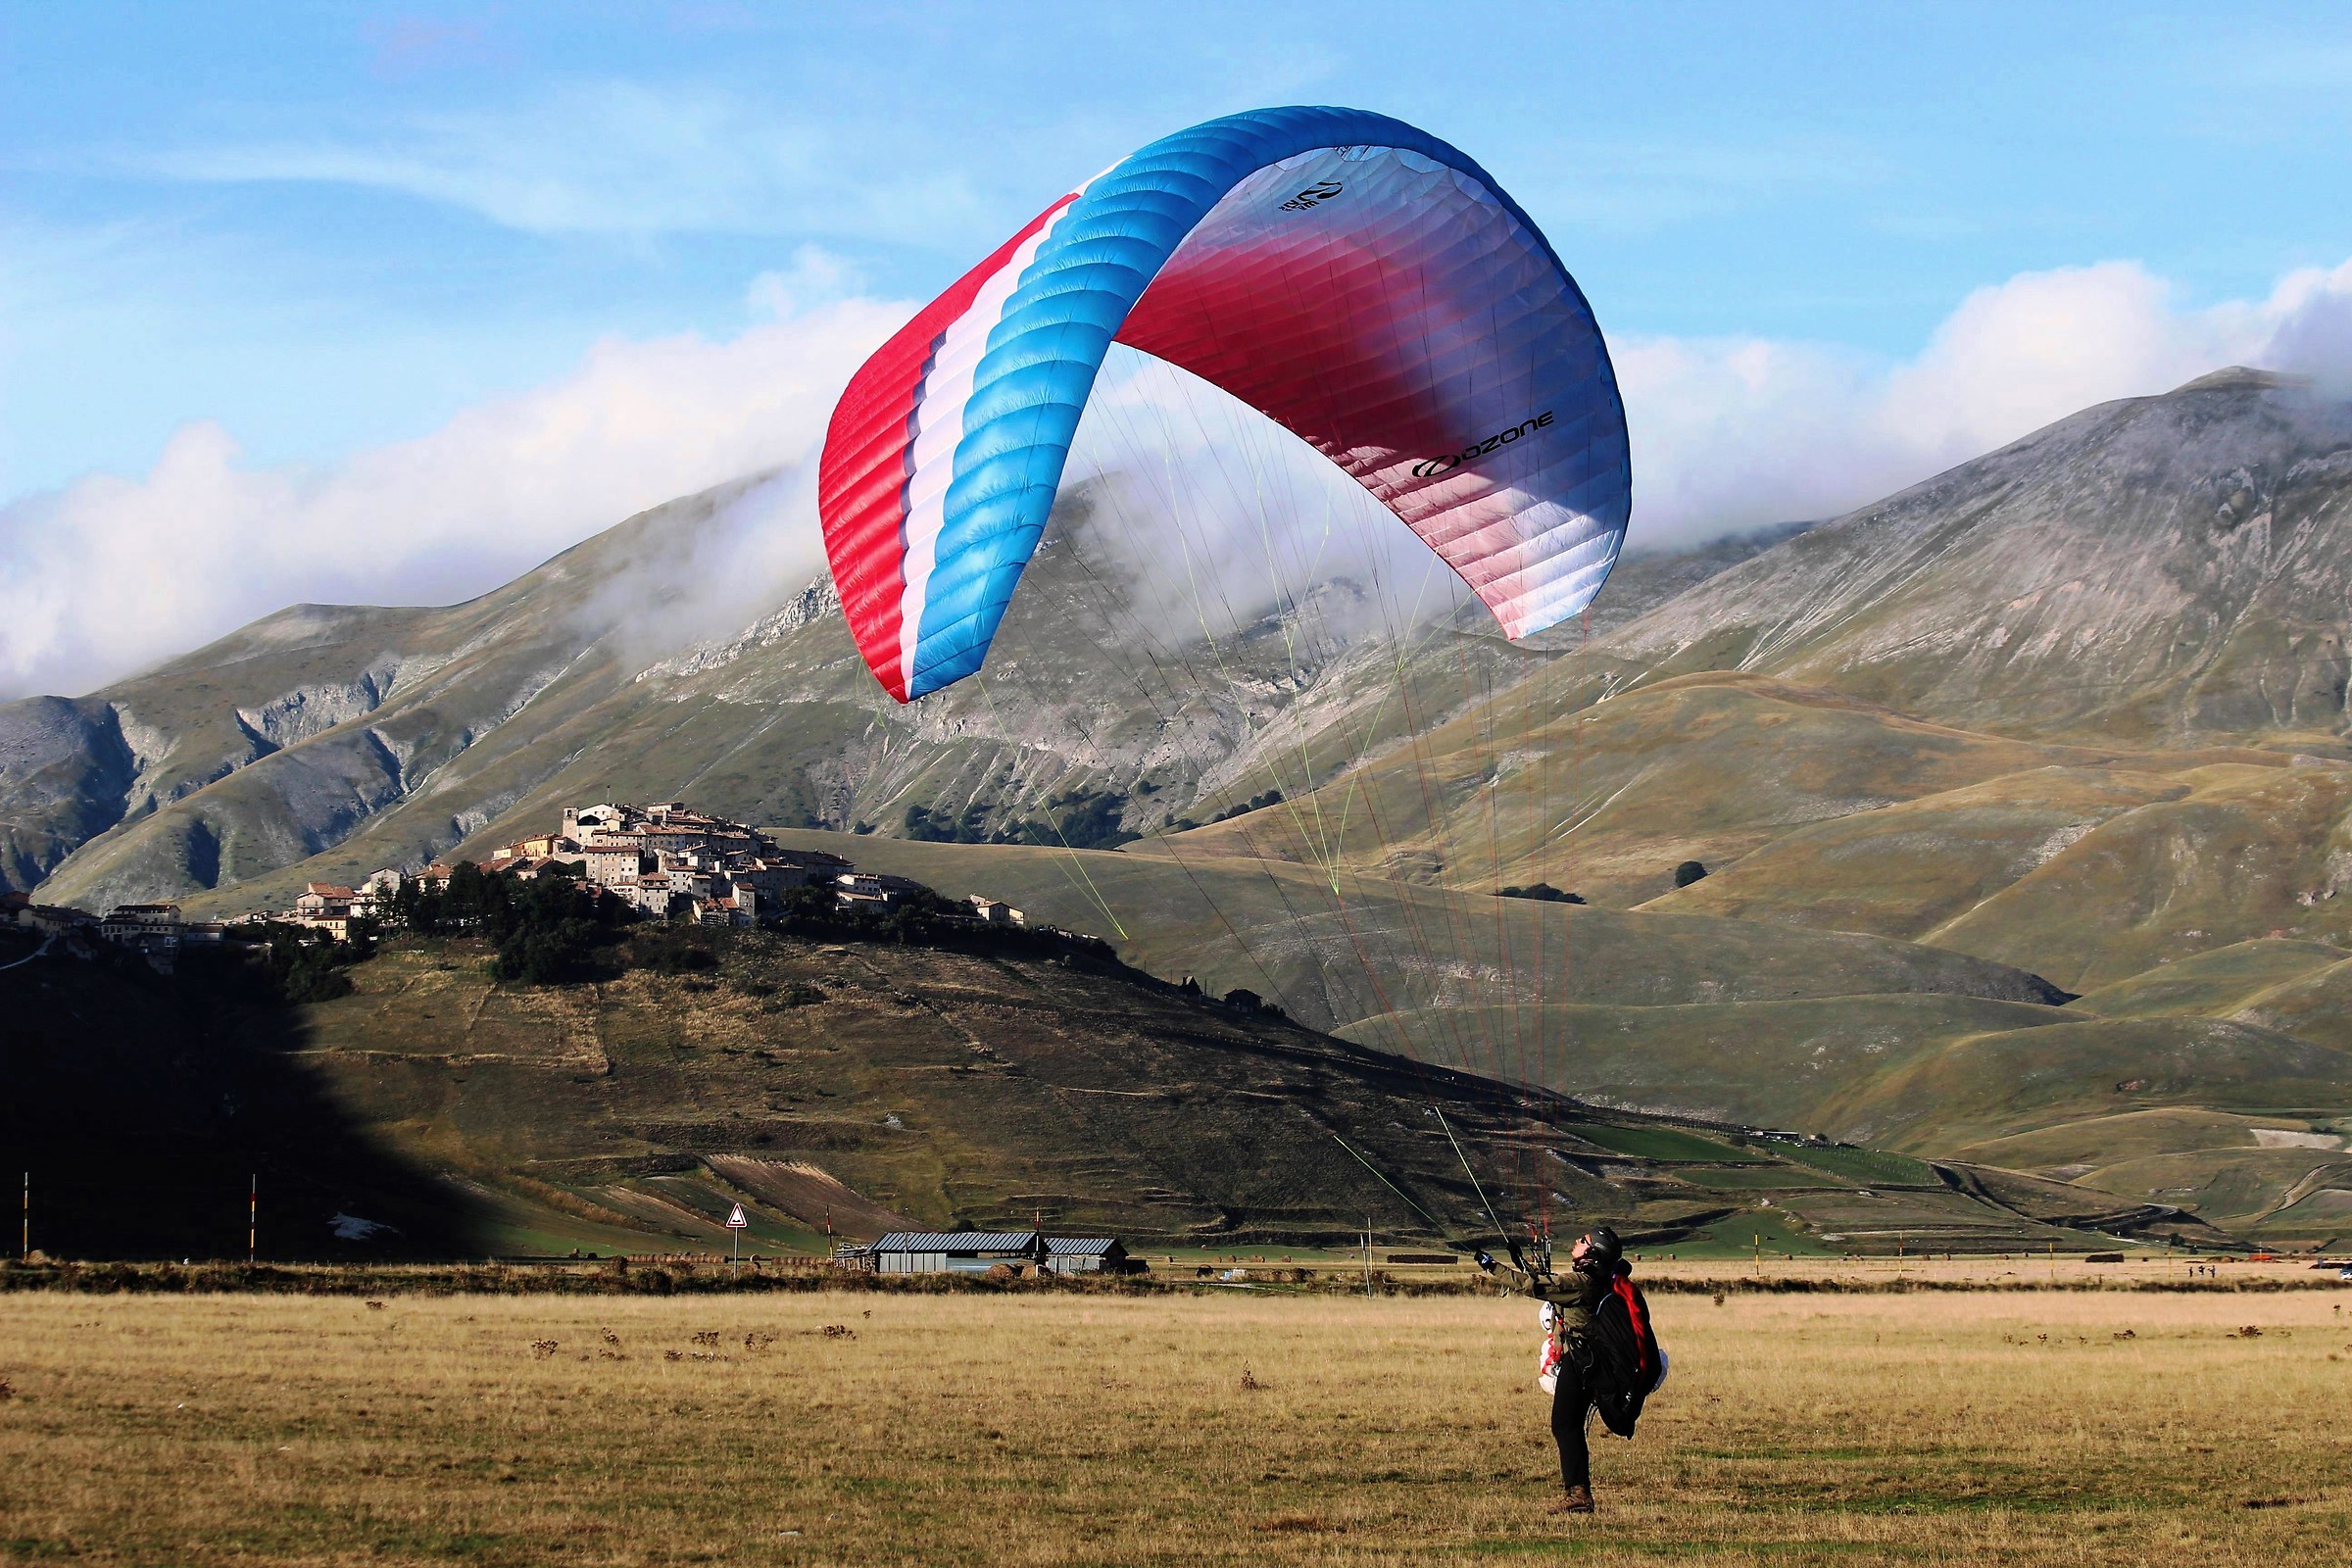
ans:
(735, 1219)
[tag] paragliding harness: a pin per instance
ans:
(1619, 1355)
(1626, 1362)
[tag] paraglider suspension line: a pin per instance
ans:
(1501, 1235)
(1093, 892)
(1433, 1221)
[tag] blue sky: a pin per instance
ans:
(320, 229)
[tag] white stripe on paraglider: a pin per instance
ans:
(938, 407)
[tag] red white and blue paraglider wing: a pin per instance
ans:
(1357, 281)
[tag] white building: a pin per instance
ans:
(873, 887)
(611, 865)
(152, 930)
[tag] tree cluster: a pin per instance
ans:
(546, 930)
(306, 965)
(1255, 803)
(921, 920)
(1082, 818)
(1542, 893)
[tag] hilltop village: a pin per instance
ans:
(662, 861)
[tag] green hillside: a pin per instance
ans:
(434, 1110)
(2218, 983)
(1766, 1063)
(1998, 1085)
(2317, 1006)
(1335, 950)
(2247, 853)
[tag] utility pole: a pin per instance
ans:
(25, 1240)
(252, 1218)
(1367, 1257)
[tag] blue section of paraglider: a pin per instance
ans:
(1043, 354)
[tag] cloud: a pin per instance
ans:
(2311, 327)
(1727, 434)
(1637, 186)
(1730, 433)
(758, 549)
(816, 276)
(406, 45)
(110, 574)
(615, 158)
(113, 573)
(1215, 516)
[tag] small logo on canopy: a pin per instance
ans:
(1314, 195)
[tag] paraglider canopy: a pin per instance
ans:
(1358, 280)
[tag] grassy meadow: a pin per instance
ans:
(1964, 1428)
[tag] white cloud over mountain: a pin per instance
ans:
(1734, 433)
(113, 573)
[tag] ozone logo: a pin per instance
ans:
(1314, 195)
(1432, 468)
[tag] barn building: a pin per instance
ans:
(978, 1252)
(1086, 1254)
(954, 1252)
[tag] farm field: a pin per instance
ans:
(1956, 1428)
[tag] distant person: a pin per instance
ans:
(1601, 1353)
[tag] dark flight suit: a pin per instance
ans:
(1574, 1295)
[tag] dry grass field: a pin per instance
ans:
(2021, 1428)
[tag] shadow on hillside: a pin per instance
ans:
(141, 1106)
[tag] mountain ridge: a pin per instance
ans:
(2187, 550)
(386, 724)
(2065, 718)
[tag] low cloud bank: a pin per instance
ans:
(112, 574)
(1732, 433)
(1215, 516)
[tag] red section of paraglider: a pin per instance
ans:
(870, 456)
(1304, 332)
(1370, 333)
(1312, 336)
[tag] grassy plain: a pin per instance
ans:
(1967, 1428)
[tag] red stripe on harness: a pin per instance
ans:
(1637, 1312)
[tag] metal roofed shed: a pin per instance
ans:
(1088, 1254)
(978, 1252)
(954, 1252)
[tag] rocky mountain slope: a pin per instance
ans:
(326, 740)
(2149, 571)
(2024, 710)
(2074, 626)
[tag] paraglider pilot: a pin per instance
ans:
(1601, 1352)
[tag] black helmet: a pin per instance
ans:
(1603, 1247)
